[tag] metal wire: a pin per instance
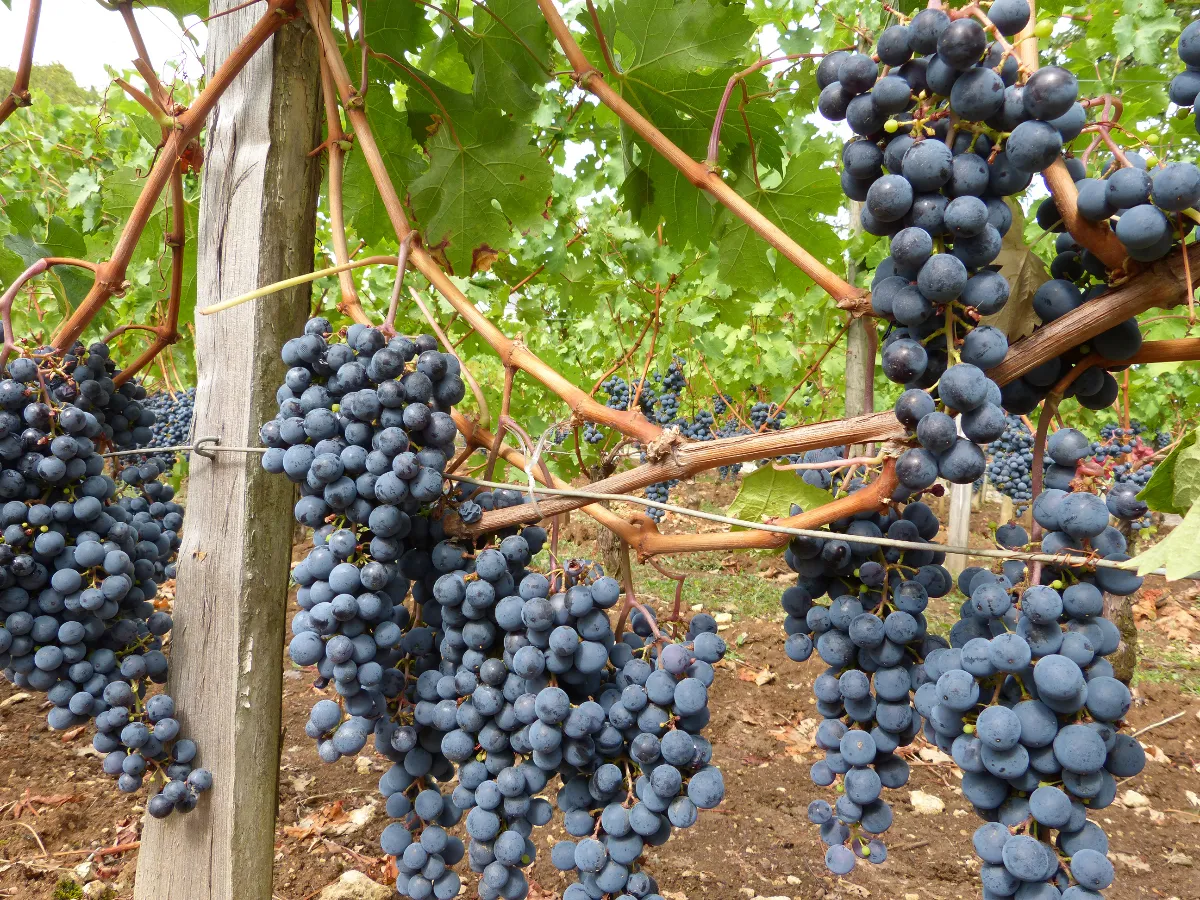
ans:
(206, 447)
(210, 445)
(1064, 558)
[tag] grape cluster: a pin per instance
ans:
(1028, 707)
(660, 493)
(1146, 202)
(172, 419)
(767, 416)
(82, 558)
(872, 634)
(618, 392)
(496, 675)
(940, 203)
(944, 184)
(699, 428)
(1010, 463)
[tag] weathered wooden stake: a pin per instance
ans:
(861, 347)
(958, 528)
(257, 225)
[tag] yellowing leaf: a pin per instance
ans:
(768, 492)
(1025, 272)
(1178, 552)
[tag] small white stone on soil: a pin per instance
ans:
(354, 885)
(1134, 800)
(926, 804)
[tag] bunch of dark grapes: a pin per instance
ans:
(1010, 463)
(83, 554)
(618, 392)
(172, 420)
(957, 128)
(496, 678)
(871, 631)
(1026, 704)
(660, 493)
(700, 427)
(767, 416)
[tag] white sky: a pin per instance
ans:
(84, 37)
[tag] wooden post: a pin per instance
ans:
(1006, 509)
(861, 347)
(959, 527)
(257, 225)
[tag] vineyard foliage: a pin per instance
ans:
(556, 220)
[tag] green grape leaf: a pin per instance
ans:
(61, 240)
(673, 62)
(805, 187)
(1142, 28)
(1159, 492)
(474, 194)
(181, 8)
(393, 29)
(361, 201)
(1187, 477)
(1178, 552)
(661, 193)
(661, 36)
(769, 493)
(508, 52)
(81, 185)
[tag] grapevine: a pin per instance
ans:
(505, 686)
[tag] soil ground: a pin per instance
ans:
(57, 809)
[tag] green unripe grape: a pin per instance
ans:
(891, 126)
(1044, 28)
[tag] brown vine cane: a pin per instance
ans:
(19, 96)
(110, 275)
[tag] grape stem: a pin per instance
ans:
(834, 464)
(389, 324)
(10, 295)
(490, 467)
(336, 142)
(1039, 451)
(590, 79)
(110, 275)
(678, 578)
(714, 140)
(631, 601)
(166, 332)
(18, 95)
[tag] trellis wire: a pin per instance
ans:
(209, 445)
(1061, 559)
